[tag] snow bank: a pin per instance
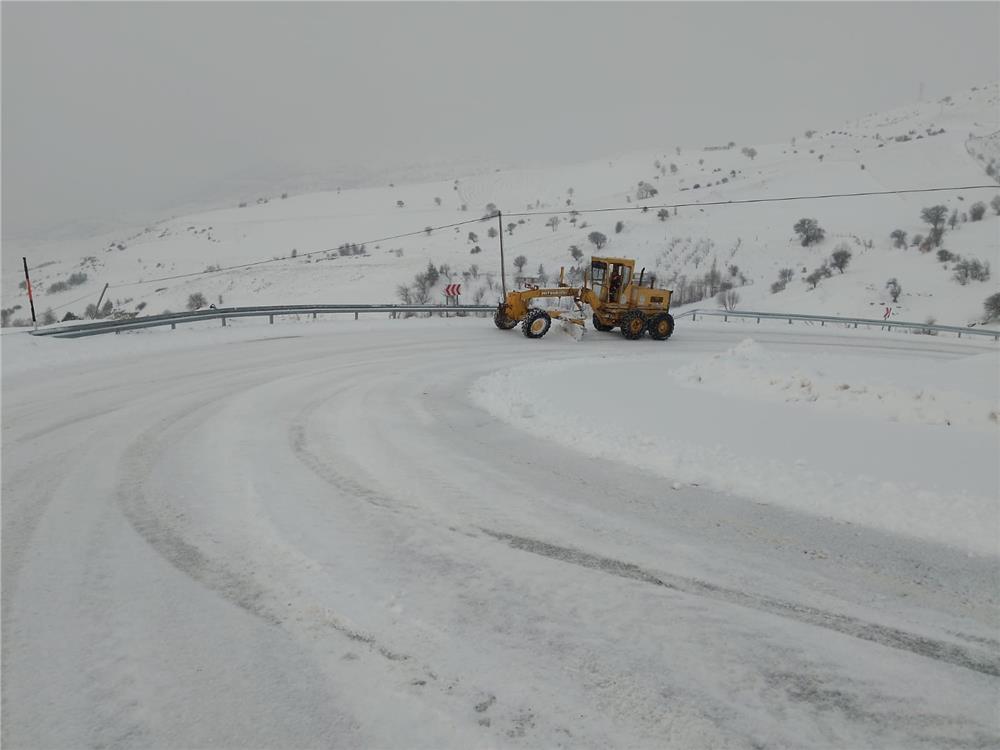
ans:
(825, 382)
(920, 461)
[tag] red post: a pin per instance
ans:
(31, 297)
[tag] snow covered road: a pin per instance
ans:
(310, 535)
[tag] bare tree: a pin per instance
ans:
(598, 239)
(894, 288)
(644, 191)
(841, 256)
(809, 231)
(934, 215)
(728, 300)
(992, 307)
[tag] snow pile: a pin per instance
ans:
(752, 371)
(901, 471)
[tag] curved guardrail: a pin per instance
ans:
(271, 311)
(225, 313)
(887, 325)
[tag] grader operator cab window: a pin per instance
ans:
(621, 276)
(597, 274)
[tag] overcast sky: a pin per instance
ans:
(117, 110)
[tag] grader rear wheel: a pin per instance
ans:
(536, 324)
(633, 324)
(661, 326)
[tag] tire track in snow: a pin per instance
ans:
(163, 533)
(163, 536)
(988, 664)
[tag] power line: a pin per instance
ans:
(605, 209)
(71, 302)
(753, 200)
(277, 260)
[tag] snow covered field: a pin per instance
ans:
(430, 533)
(925, 145)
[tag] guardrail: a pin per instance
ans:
(225, 313)
(271, 311)
(847, 322)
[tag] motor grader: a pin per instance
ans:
(610, 288)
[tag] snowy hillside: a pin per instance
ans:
(951, 142)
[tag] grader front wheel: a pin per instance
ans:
(502, 321)
(536, 324)
(599, 326)
(633, 324)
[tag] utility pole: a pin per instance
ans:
(503, 269)
(100, 299)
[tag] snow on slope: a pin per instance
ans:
(909, 445)
(757, 238)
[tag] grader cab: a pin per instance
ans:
(617, 299)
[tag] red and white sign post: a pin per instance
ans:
(451, 294)
(31, 296)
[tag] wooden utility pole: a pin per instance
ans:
(503, 267)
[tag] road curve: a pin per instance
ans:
(318, 541)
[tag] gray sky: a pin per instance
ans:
(119, 110)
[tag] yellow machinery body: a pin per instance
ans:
(610, 288)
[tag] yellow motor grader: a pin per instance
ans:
(616, 297)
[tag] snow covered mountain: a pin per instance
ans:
(325, 247)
